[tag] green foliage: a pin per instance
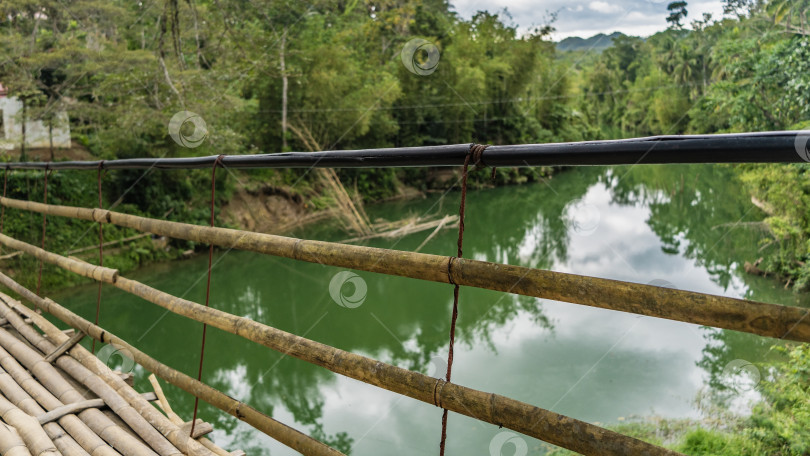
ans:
(64, 235)
(786, 191)
(743, 74)
(779, 423)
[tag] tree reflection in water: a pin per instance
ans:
(693, 218)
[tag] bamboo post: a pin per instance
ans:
(533, 421)
(764, 319)
(284, 434)
(20, 387)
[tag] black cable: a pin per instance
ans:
(763, 147)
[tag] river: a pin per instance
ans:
(679, 226)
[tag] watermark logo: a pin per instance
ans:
(109, 352)
(582, 218)
(437, 367)
(802, 145)
(188, 129)
(504, 438)
(420, 56)
(357, 288)
(740, 376)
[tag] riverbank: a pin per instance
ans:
(268, 201)
(782, 192)
(779, 423)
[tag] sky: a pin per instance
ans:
(585, 18)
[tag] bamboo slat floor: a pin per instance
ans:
(55, 406)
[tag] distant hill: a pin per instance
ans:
(598, 42)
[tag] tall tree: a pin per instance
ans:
(677, 13)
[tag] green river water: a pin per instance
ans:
(668, 225)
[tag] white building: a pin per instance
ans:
(36, 131)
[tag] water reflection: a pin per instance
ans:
(664, 224)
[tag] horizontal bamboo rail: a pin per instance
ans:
(294, 439)
(764, 319)
(533, 421)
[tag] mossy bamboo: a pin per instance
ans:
(543, 424)
(764, 319)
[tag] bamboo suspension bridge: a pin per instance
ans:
(55, 393)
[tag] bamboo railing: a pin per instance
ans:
(166, 437)
(533, 421)
(764, 319)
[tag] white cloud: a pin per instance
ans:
(585, 18)
(604, 7)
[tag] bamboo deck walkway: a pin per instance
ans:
(59, 399)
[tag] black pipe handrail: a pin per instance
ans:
(761, 147)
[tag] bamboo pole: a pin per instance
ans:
(142, 417)
(163, 402)
(764, 319)
(74, 407)
(167, 409)
(11, 444)
(29, 429)
(90, 442)
(60, 350)
(284, 434)
(62, 390)
(117, 404)
(121, 408)
(533, 421)
(15, 393)
(108, 244)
